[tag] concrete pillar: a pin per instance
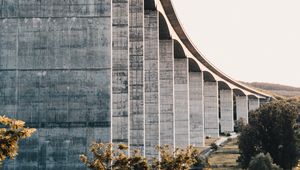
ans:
(151, 79)
(166, 78)
(211, 109)
(120, 72)
(253, 104)
(226, 106)
(196, 109)
(136, 71)
(242, 108)
(181, 102)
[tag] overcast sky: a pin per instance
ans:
(254, 40)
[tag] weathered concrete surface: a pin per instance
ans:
(120, 65)
(242, 108)
(55, 75)
(151, 79)
(196, 109)
(253, 104)
(166, 78)
(226, 106)
(182, 132)
(136, 74)
(211, 109)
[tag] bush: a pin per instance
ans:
(270, 130)
(105, 157)
(262, 162)
(10, 135)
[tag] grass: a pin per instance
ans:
(225, 157)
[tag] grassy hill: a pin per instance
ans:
(277, 89)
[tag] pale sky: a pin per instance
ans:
(254, 40)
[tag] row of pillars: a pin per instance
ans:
(157, 97)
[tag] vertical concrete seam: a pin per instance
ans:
(128, 79)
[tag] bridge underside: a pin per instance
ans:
(108, 71)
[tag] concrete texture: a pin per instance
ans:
(182, 132)
(211, 109)
(196, 109)
(242, 108)
(166, 64)
(120, 58)
(151, 79)
(253, 104)
(55, 75)
(136, 75)
(226, 110)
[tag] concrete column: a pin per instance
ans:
(136, 74)
(242, 108)
(196, 109)
(151, 79)
(211, 109)
(181, 102)
(166, 63)
(120, 72)
(226, 106)
(253, 104)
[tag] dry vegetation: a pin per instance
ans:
(225, 157)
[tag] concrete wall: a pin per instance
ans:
(136, 74)
(55, 74)
(120, 58)
(226, 110)
(151, 80)
(166, 78)
(253, 104)
(242, 108)
(196, 109)
(182, 133)
(211, 109)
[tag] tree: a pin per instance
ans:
(105, 157)
(262, 162)
(11, 132)
(270, 130)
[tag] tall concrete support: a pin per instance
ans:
(182, 132)
(166, 79)
(56, 75)
(120, 59)
(253, 103)
(226, 110)
(211, 109)
(196, 106)
(242, 108)
(151, 80)
(136, 75)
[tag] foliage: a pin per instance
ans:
(11, 132)
(214, 146)
(105, 157)
(270, 130)
(180, 159)
(240, 124)
(262, 162)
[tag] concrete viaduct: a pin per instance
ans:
(121, 71)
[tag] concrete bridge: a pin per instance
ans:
(121, 71)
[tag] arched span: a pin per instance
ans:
(149, 5)
(176, 25)
(193, 66)
(164, 32)
(223, 86)
(238, 92)
(178, 50)
(208, 77)
(251, 96)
